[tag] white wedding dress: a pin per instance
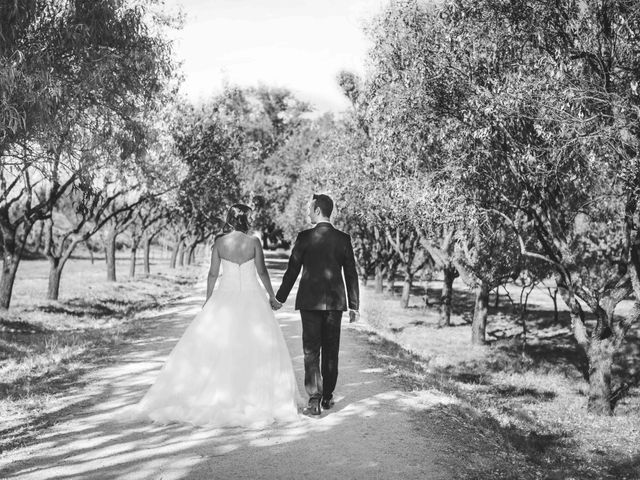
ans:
(231, 367)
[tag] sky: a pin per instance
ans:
(298, 44)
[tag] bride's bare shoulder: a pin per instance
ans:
(219, 239)
(234, 238)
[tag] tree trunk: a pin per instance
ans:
(554, 297)
(147, 255)
(37, 242)
(174, 254)
(181, 254)
(9, 268)
(600, 354)
(496, 303)
(600, 345)
(480, 312)
(12, 248)
(53, 288)
(379, 287)
(55, 271)
(91, 255)
(406, 290)
(190, 253)
(391, 274)
(132, 264)
(55, 274)
(110, 254)
(446, 296)
(523, 320)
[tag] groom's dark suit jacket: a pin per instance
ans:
(323, 253)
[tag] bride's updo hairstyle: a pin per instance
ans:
(238, 218)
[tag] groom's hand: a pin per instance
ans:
(354, 316)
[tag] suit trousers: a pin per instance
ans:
(320, 343)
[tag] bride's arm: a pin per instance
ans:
(263, 273)
(214, 270)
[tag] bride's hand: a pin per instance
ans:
(275, 304)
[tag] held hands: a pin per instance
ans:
(275, 304)
(354, 316)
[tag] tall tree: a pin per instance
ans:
(406, 105)
(210, 141)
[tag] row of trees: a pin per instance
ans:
(81, 83)
(497, 141)
(94, 141)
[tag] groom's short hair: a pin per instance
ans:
(324, 203)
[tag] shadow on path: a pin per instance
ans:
(369, 433)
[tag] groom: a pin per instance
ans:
(323, 253)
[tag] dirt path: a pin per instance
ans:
(368, 435)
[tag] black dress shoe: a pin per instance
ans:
(314, 406)
(327, 403)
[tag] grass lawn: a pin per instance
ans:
(529, 397)
(45, 346)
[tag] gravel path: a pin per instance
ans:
(369, 434)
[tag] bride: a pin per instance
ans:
(231, 367)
